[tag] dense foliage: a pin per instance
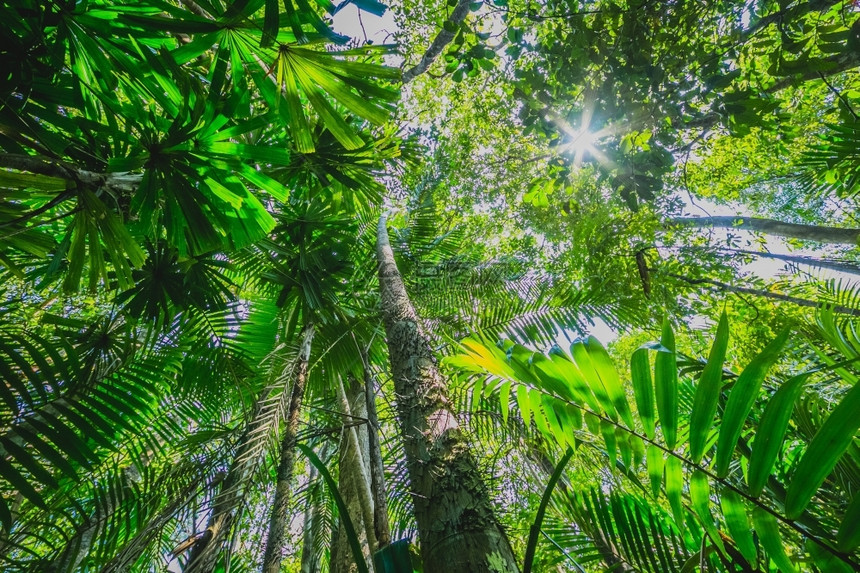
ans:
(202, 370)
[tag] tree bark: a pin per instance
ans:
(377, 469)
(354, 481)
(281, 503)
(457, 528)
(834, 265)
(41, 165)
(308, 560)
(834, 235)
(353, 405)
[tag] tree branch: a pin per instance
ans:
(442, 39)
(767, 294)
(817, 233)
(41, 165)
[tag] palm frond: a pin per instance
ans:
(559, 390)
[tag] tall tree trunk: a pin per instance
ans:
(377, 469)
(281, 503)
(354, 407)
(458, 530)
(354, 482)
(835, 235)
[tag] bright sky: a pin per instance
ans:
(365, 25)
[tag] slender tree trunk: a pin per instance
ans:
(377, 469)
(835, 235)
(353, 483)
(354, 407)
(835, 265)
(281, 503)
(309, 562)
(458, 530)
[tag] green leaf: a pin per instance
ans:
(738, 524)
(583, 361)
(771, 432)
(828, 445)
(741, 400)
(654, 460)
(848, 536)
(708, 392)
(643, 390)
(674, 487)
(700, 499)
(605, 369)
(768, 533)
(19, 482)
(504, 400)
(343, 511)
(524, 404)
(607, 430)
(666, 385)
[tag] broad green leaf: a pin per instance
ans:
(654, 459)
(828, 445)
(741, 400)
(556, 427)
(605, 369)
(32, 181)
(583, 362)
(700, 499)
(592, 422)
(666, 386)
(622, 438)
(674, 487)
(637, 451)
(768, 533)
(826, 560)
(524, 404)
(537, 411)
(643, 390)
(573, 379)
(708, 392)
(848, 536)
(738, 524)
(505, 400)
(771, 433)
(607, 430)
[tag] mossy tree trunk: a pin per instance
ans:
(458, 530)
